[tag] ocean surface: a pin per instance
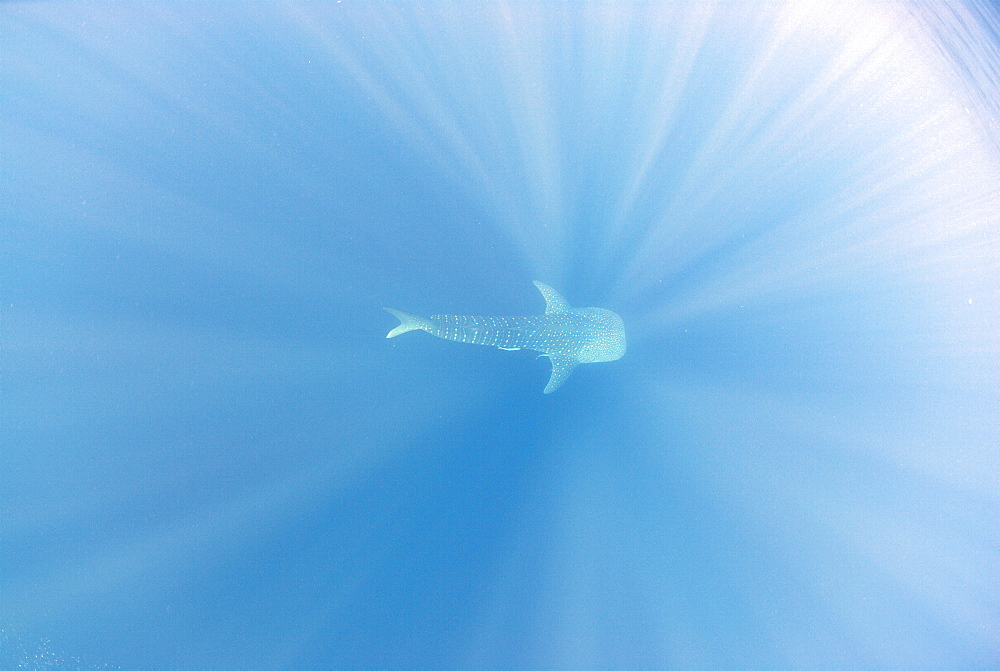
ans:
(212, 458)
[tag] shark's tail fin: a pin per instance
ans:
(407, 323)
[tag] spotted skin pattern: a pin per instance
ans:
(568, 336)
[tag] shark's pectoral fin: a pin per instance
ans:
(553, 301)
(562, 366)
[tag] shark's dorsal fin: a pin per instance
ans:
(562, 366)
(553, 301)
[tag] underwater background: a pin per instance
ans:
(211, 457)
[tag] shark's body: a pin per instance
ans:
(568, 336)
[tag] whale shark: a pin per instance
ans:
(567, 336)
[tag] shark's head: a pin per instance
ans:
(607, 341)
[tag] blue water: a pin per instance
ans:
(211, 457)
